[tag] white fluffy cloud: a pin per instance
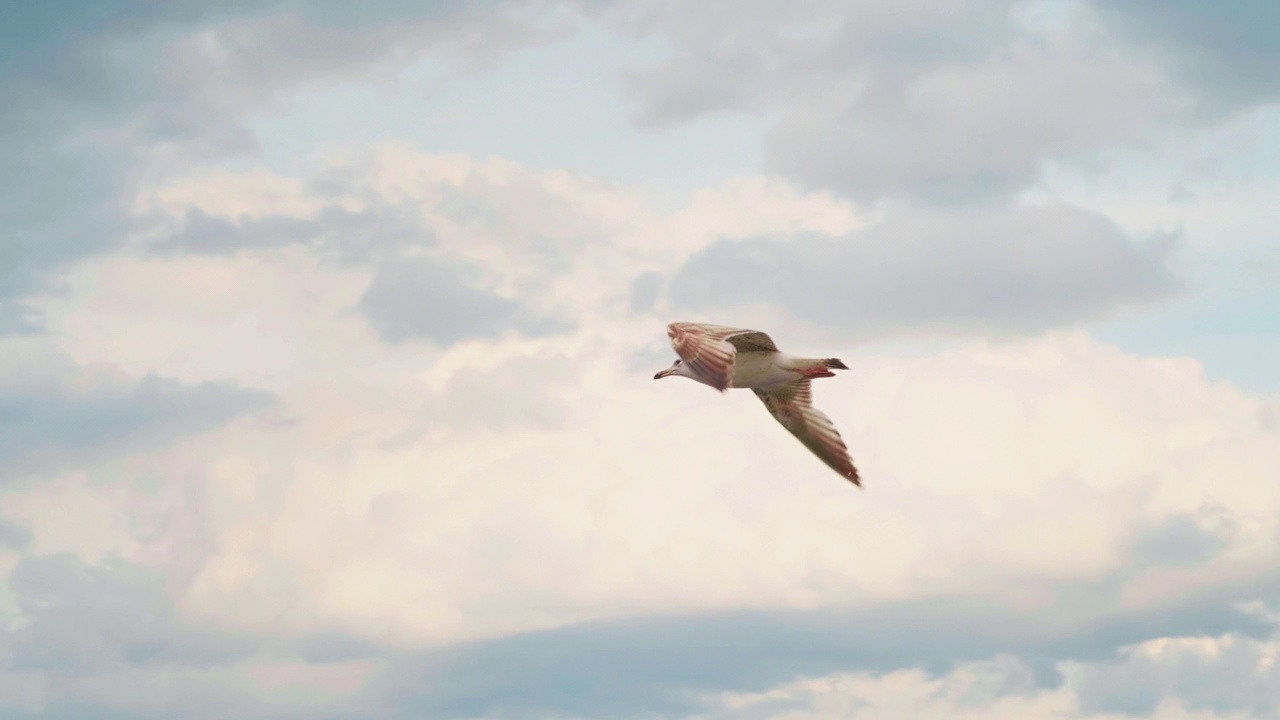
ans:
(415, 494)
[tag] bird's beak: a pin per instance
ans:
(662, 373)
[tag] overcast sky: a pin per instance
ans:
(327, 332)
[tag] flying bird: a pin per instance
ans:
(727, 357)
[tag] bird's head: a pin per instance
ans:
(677, 368)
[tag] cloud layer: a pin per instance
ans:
(1024, 269)
(450, 519)
(947, 101)
(367, 428)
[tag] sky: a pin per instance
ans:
(327, 336)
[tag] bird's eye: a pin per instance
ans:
(678, 362)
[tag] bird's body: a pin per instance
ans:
(760, 369)
(726, 357)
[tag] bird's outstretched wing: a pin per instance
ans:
(709, 349)
(792, 406)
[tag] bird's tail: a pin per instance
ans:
(834, 363)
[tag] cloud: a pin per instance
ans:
(66, 205)
(74, 178)
(645, 290)
(963, 132)
(511, 518)
(781, 55)
(392, 502)
(13, 536)
(427, 281)
(1192, 538)
(54, 414)
(387, 515)
(1224, 673)
(132, 93)
(949, 102)
(1225, 52)
(1020, 270)
(1004, 506)
(415, 293)
(421, 298)
(95, 639)
(346, 235)
(213, 77)
(80, 618)
(999, 688)
(673, 663)
(462, 460)
(265, 260)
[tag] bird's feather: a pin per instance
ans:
(710, 349)
(792, 406)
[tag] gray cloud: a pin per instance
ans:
(107, 640)
(639, 667)
(662, 665)
(526, 391)
(413, 295)
(252, 60)
(1229, 50)
(646, 288)
(1184, 539)
(1240, 675)
(966, 132)
(93, 89)
(115, 629)
(55, 207)
(427, 298)
(347, 236)
(950, 102)
(69, 70)
(1024, 269)
(83, 618)
(49, 425)
(731, 56)
(89, 629)
(14, 536)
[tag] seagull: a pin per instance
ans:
(728, 357)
